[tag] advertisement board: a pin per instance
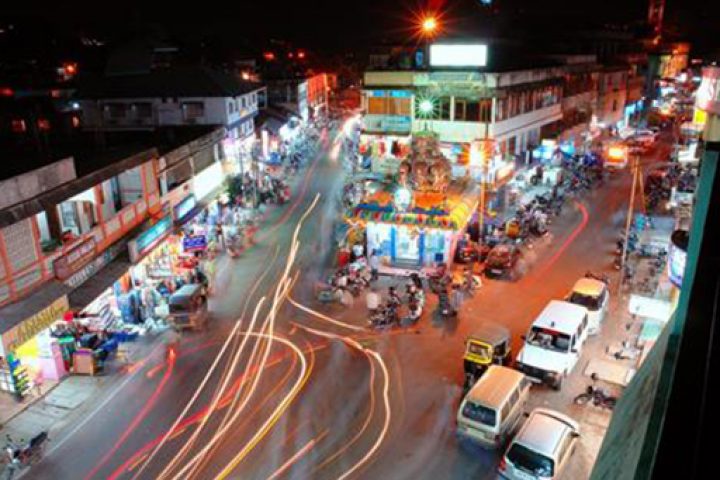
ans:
(146, 241)
(194, 243)
(74, 259)
(458, 55)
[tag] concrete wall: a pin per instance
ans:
(31, 184)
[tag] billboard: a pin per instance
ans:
(458, 55)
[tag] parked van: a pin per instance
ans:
(542, 448)
(493, 408)
(554, 343)
(592, 294)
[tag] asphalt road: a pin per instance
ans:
(313, 403)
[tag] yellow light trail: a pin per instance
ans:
(280, 293)
(207, 377)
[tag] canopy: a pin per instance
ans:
(650, 307)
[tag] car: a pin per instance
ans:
(554, 343)
(644, 136)
(502, 261)
(542, 448)
(593, 294)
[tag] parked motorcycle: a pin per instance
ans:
(24, 454)
(598, 396)
(445, 308)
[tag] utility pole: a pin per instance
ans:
(628, 221)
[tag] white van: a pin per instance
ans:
(592, 294)
(493, 408)
(554, 343)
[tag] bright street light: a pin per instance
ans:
(429, 25)
(426, 107)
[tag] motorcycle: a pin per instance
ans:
(445, 308)
(20, 456)
(598, 396)
(385, 316)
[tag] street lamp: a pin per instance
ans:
(429, 25)
(426, 107)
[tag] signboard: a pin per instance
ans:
(677, 257)
(75, 259)
(468, 55)
(79, 277)
(184, 208)
(707, 96)
(35, 324)
(194, 243)
(146, 241)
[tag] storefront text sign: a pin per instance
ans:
(147, 240)
(75, 259)
(184, 208)
(194, 243)
(77, 278)
(30, 327)
(708, 93)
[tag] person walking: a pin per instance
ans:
(374, 262)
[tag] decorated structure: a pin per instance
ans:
(413, 220)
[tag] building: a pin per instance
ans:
(507, 98)
(176, 96)
(307, 97)
(612, 95)
(94, 213)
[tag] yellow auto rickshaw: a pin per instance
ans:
(489, 344)
(188, 308)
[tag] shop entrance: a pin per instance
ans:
(407, 248)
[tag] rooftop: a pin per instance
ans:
(91, 150)
(178, 81)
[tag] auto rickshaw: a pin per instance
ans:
(188, 308)
(489, 344)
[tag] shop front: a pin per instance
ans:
(420, 235)
(383, 153)
(29, 351)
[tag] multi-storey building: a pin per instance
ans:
(177, 96)
(505, 100)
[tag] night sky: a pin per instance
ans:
(335, 23)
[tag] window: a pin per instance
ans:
(193, 109)
(480, 413)
(116, 110)
(143, 110)
(459, 109)
(485, 110)
(514, 397)
(614, 105)
(530, 461)
(243, 102)
(254, 98)
(500, 107)
(231, 107)
(444, 110)
(505, 412)
(472, 111)
(43, 124)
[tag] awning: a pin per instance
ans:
(650, 307)
(86, 293)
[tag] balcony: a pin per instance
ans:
(534, 119)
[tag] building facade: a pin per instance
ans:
(612, 95)
(461, 106)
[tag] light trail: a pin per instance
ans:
(142, 452)
(386, 388)
(322, 316)
(280, 293)
(297, 456)
(207, 377)
(137, 419)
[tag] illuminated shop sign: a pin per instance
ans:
(147, 240)
(708, 93)
(677, 257)
(474, 55)
(185, 207)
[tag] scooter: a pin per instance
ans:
(384, 316)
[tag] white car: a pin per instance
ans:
(645, 136)
(592, 294)
(542, 448)
(554, 343)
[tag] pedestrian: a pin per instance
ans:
(372, 300)
(219, 236)
(38, 383)
(456, 298)
(358, 251)
(374, 262)
(393, 297)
